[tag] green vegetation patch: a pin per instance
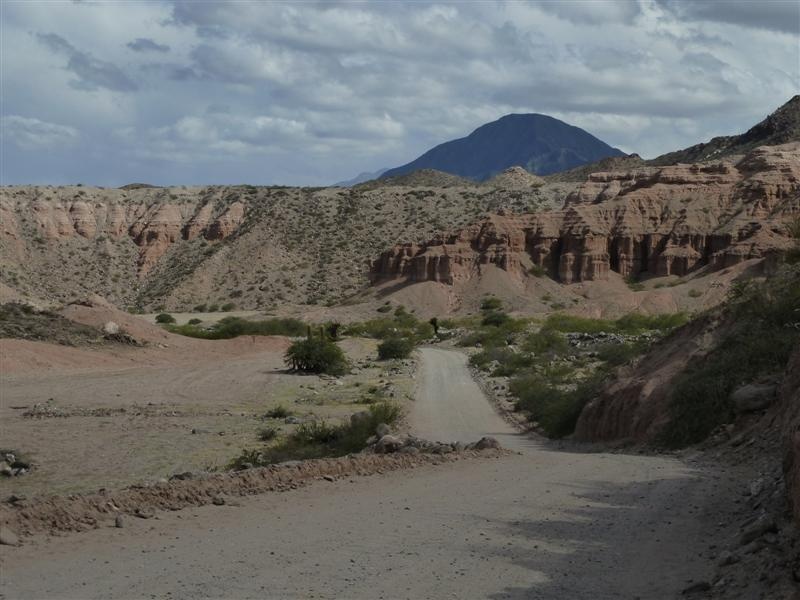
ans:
(765, 328)
(320, 439)
(231, 327)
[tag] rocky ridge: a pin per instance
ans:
(256, 246)
(649, 221)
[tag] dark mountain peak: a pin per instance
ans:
(539, 143)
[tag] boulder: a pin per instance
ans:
(388, 444)
(111, 328)
(487, 442)
(382, 430)
(753, 397)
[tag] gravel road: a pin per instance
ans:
(538, 524)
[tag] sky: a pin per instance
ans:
(310, 93)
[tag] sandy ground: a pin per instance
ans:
(218, 389)
(537, 524)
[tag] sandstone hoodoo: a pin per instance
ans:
(650, 221)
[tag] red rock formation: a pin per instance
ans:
(662, 221)
(153, 226)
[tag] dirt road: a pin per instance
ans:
(539, 524)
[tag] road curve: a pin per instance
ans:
(540, 524)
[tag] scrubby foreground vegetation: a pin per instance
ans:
(556, 366)
(760, 328)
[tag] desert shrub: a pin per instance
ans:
(319, 439)
(199, 308)
(495, 319)
(545, 342)
(614, 355)
(228, 307)
(491, 303)
(213, 308)
(556, 410)
(395, 347)
(266, 434)
(764, 321)
(194, 321)
(384, 309)
(231, 327)
(278, 412)
(316, 355)
(165, 318)
(693, 293)
(402, 325)
(537, 271)
(631, 323)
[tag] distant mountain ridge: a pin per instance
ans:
(780, 127)
(538, 143)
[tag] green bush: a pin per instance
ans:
(228, 307)
(491, 303)
(316, 355)
(763, 320)
(395, 348)
(278, 412)
(266, 434)
(231, 327)
(199, 308)
(614, 355)
(319, 439)
(165, 318)
(213, 308)
(555, 409)
(194, 321)
(495, 319)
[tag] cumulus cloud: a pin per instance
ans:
(33, 134)
(310, 93)
(92, 73)
(147, 45)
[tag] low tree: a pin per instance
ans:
(165, 318)
(316, 354)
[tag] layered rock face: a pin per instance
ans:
(153, 224)
(649, 221)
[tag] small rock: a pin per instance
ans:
(759, 527)
(329, 478)
(292, 421)
(111, 328)
(753, 397)
(145, 513)
(727, 557)
(700, 586)
(408, 450)
(382, 430)
(5, 469)
(218, 501)
(487, 442)
(8, 537)
(119, 522)
(388, 444)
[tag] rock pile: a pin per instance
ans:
(384, 442)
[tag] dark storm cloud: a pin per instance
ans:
(92, 73)
(147, 45)
(775, 15)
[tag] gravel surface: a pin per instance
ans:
(537, 524)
